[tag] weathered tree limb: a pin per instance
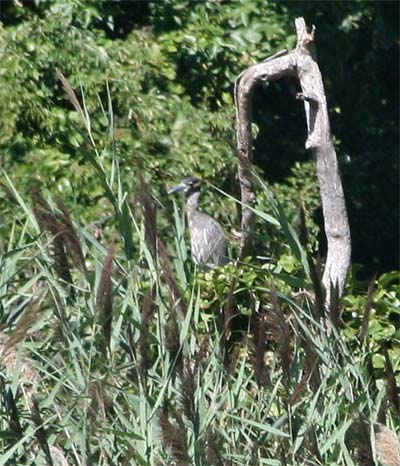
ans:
(301, 63)
(267, 70)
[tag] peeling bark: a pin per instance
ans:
(302, 64)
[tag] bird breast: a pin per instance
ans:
(208, 241)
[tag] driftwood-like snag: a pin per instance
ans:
(300, 63)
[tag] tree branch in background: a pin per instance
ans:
(301, 63)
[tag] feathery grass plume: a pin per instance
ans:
(299, 389)
(367, 310)
(147, 314)
(11, 357)
(392, 390)
(40, 432)
(48, 222)
(177, 297)
(260, 366)
(387, 446)
(61, 264)
(188, 391)
(281, 333)
(149, 215)
(59, 224)
(70, 235)
(63, 329)
(203, 350)
(104, 296)
(311, 361)
(172, 344)
(258, 329)
(174, 437)
(73, 99)
(29, 316)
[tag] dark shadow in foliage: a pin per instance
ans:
(118, 19)
(316, 272)
(282, 128)
(357, 438)
(357, 43)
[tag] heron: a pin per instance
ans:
(207, 239)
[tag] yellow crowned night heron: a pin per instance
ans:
(207, 239)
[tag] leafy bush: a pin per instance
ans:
(114, 348)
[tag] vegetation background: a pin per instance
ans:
(115, 350)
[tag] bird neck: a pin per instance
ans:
(192, 203)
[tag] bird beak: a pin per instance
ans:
(177, 188)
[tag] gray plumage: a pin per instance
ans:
(207, 239)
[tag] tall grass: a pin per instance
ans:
(108, 356)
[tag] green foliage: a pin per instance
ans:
(160, 366)
(152, 117)
(115, 366)
(383, 307)
(171, 67)
(114, 348)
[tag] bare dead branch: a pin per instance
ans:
(268, 70)
(319, 140)
(302, 64)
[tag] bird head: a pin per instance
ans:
(188, 185)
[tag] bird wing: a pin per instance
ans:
(208, 242)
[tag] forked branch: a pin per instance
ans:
(301, 63)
